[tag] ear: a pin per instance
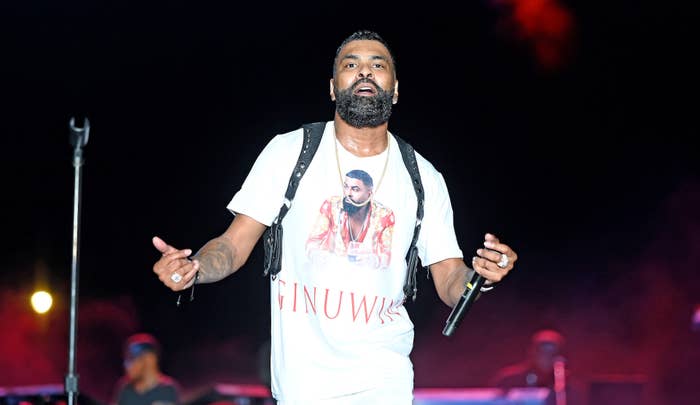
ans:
(331, 90)
(395, 99)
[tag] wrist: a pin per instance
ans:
(469, 283)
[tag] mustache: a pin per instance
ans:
(365, 80)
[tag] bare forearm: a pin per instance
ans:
(217, 260)
(452, 281)
(458, 284)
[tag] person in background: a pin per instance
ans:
(143, 382)
(544, 366)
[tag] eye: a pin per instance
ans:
(378, 66)
(351, 65)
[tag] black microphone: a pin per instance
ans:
(465, 302)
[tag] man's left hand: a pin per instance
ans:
(494, 260)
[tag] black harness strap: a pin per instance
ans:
(272, 238)
(410, 287)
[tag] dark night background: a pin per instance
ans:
(574, 145)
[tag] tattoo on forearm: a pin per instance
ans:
(216, 261)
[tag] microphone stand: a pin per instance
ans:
(560, 380)
(78, 138)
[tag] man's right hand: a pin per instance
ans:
(174, 263)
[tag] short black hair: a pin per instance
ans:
(363, 35)
(361, 175)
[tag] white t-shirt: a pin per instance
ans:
(339, 326)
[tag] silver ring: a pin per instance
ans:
(176, 278)
(504, 261)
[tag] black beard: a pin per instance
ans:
(363, 111)
(351, 209)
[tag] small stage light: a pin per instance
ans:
(41, 301)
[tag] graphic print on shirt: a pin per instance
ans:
(354, 225)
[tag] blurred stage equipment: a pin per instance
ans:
(695, 322)
(483, 396)
(617, 389)
(254, 394)
(232, 394)
(47, 394)
(78, 139)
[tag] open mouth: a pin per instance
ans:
(365, 89)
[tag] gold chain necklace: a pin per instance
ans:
(374, 189)
(350, 233)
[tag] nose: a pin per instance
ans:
(365, 71)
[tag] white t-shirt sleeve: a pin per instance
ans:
(262, 192)
(437, 240)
